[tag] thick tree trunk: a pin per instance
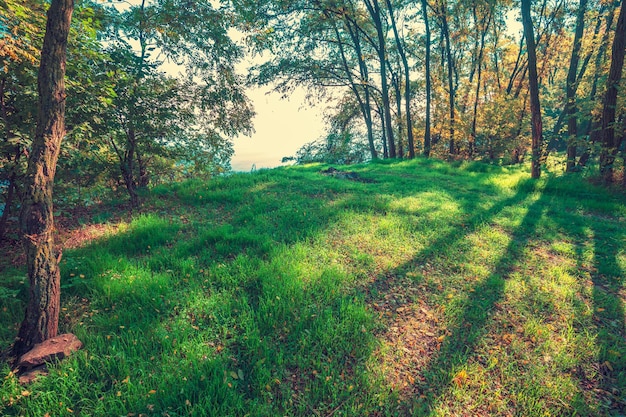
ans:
(591, 128)
(427, 143)
(535, 107)
(611, 142)
(36, 218)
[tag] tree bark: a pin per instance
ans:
(36, 217)
(611, 143)
(364, 104)
(472, 142)
(407, 83)
(427, 143)
(572, 122)
(451, 90)
(373, 8)
(535, 107)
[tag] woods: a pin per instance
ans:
(477, 240)
(449, 79)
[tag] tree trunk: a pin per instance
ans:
(127, 168)
(591, 128)
(572, 123)
(535, 107)
(472, 142)
(611, 143)
(364, 104)
(36, 218)
(395, 81)
(8, 204)
(373, 8)
(407, 83)
(451, 90)
(427, 144)
(144, 176)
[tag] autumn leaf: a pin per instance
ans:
(460, 378)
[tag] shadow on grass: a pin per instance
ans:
(468, 326)
(608, 291)
(170, 272)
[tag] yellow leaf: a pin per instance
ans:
(152, 392)
(460, 378)
(126, 380)
(25, 393)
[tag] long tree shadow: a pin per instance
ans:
(608, 279)
(468, 326)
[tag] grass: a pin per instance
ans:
(434, 290)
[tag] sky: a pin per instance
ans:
(281, 127)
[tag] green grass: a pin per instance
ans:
(434, 290)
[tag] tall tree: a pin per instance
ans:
(407, 81)
(375, 12)
(572, 123)
(36, 217)
(427, 143)
(442, 11)
(611, 143)
(533, 82)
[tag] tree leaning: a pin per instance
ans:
(36, 217)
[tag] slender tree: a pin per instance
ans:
(36, 217)
(375, 12)
(407, 81)
(572, 123)
(611, 143)
(427, 143)
(535, 107)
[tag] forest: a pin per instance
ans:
(454, 244)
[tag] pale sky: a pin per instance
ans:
(281, 126)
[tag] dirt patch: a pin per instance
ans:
(411, 336)
(346, 175)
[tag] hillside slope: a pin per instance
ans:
(406, 288)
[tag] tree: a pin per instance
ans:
(407, 82)
(36, 217)
(572, 79)
(22, 40)
(535, 107)
(157, 116)
(611, 143)
(427, 76)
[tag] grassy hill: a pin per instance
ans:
(417, 289)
